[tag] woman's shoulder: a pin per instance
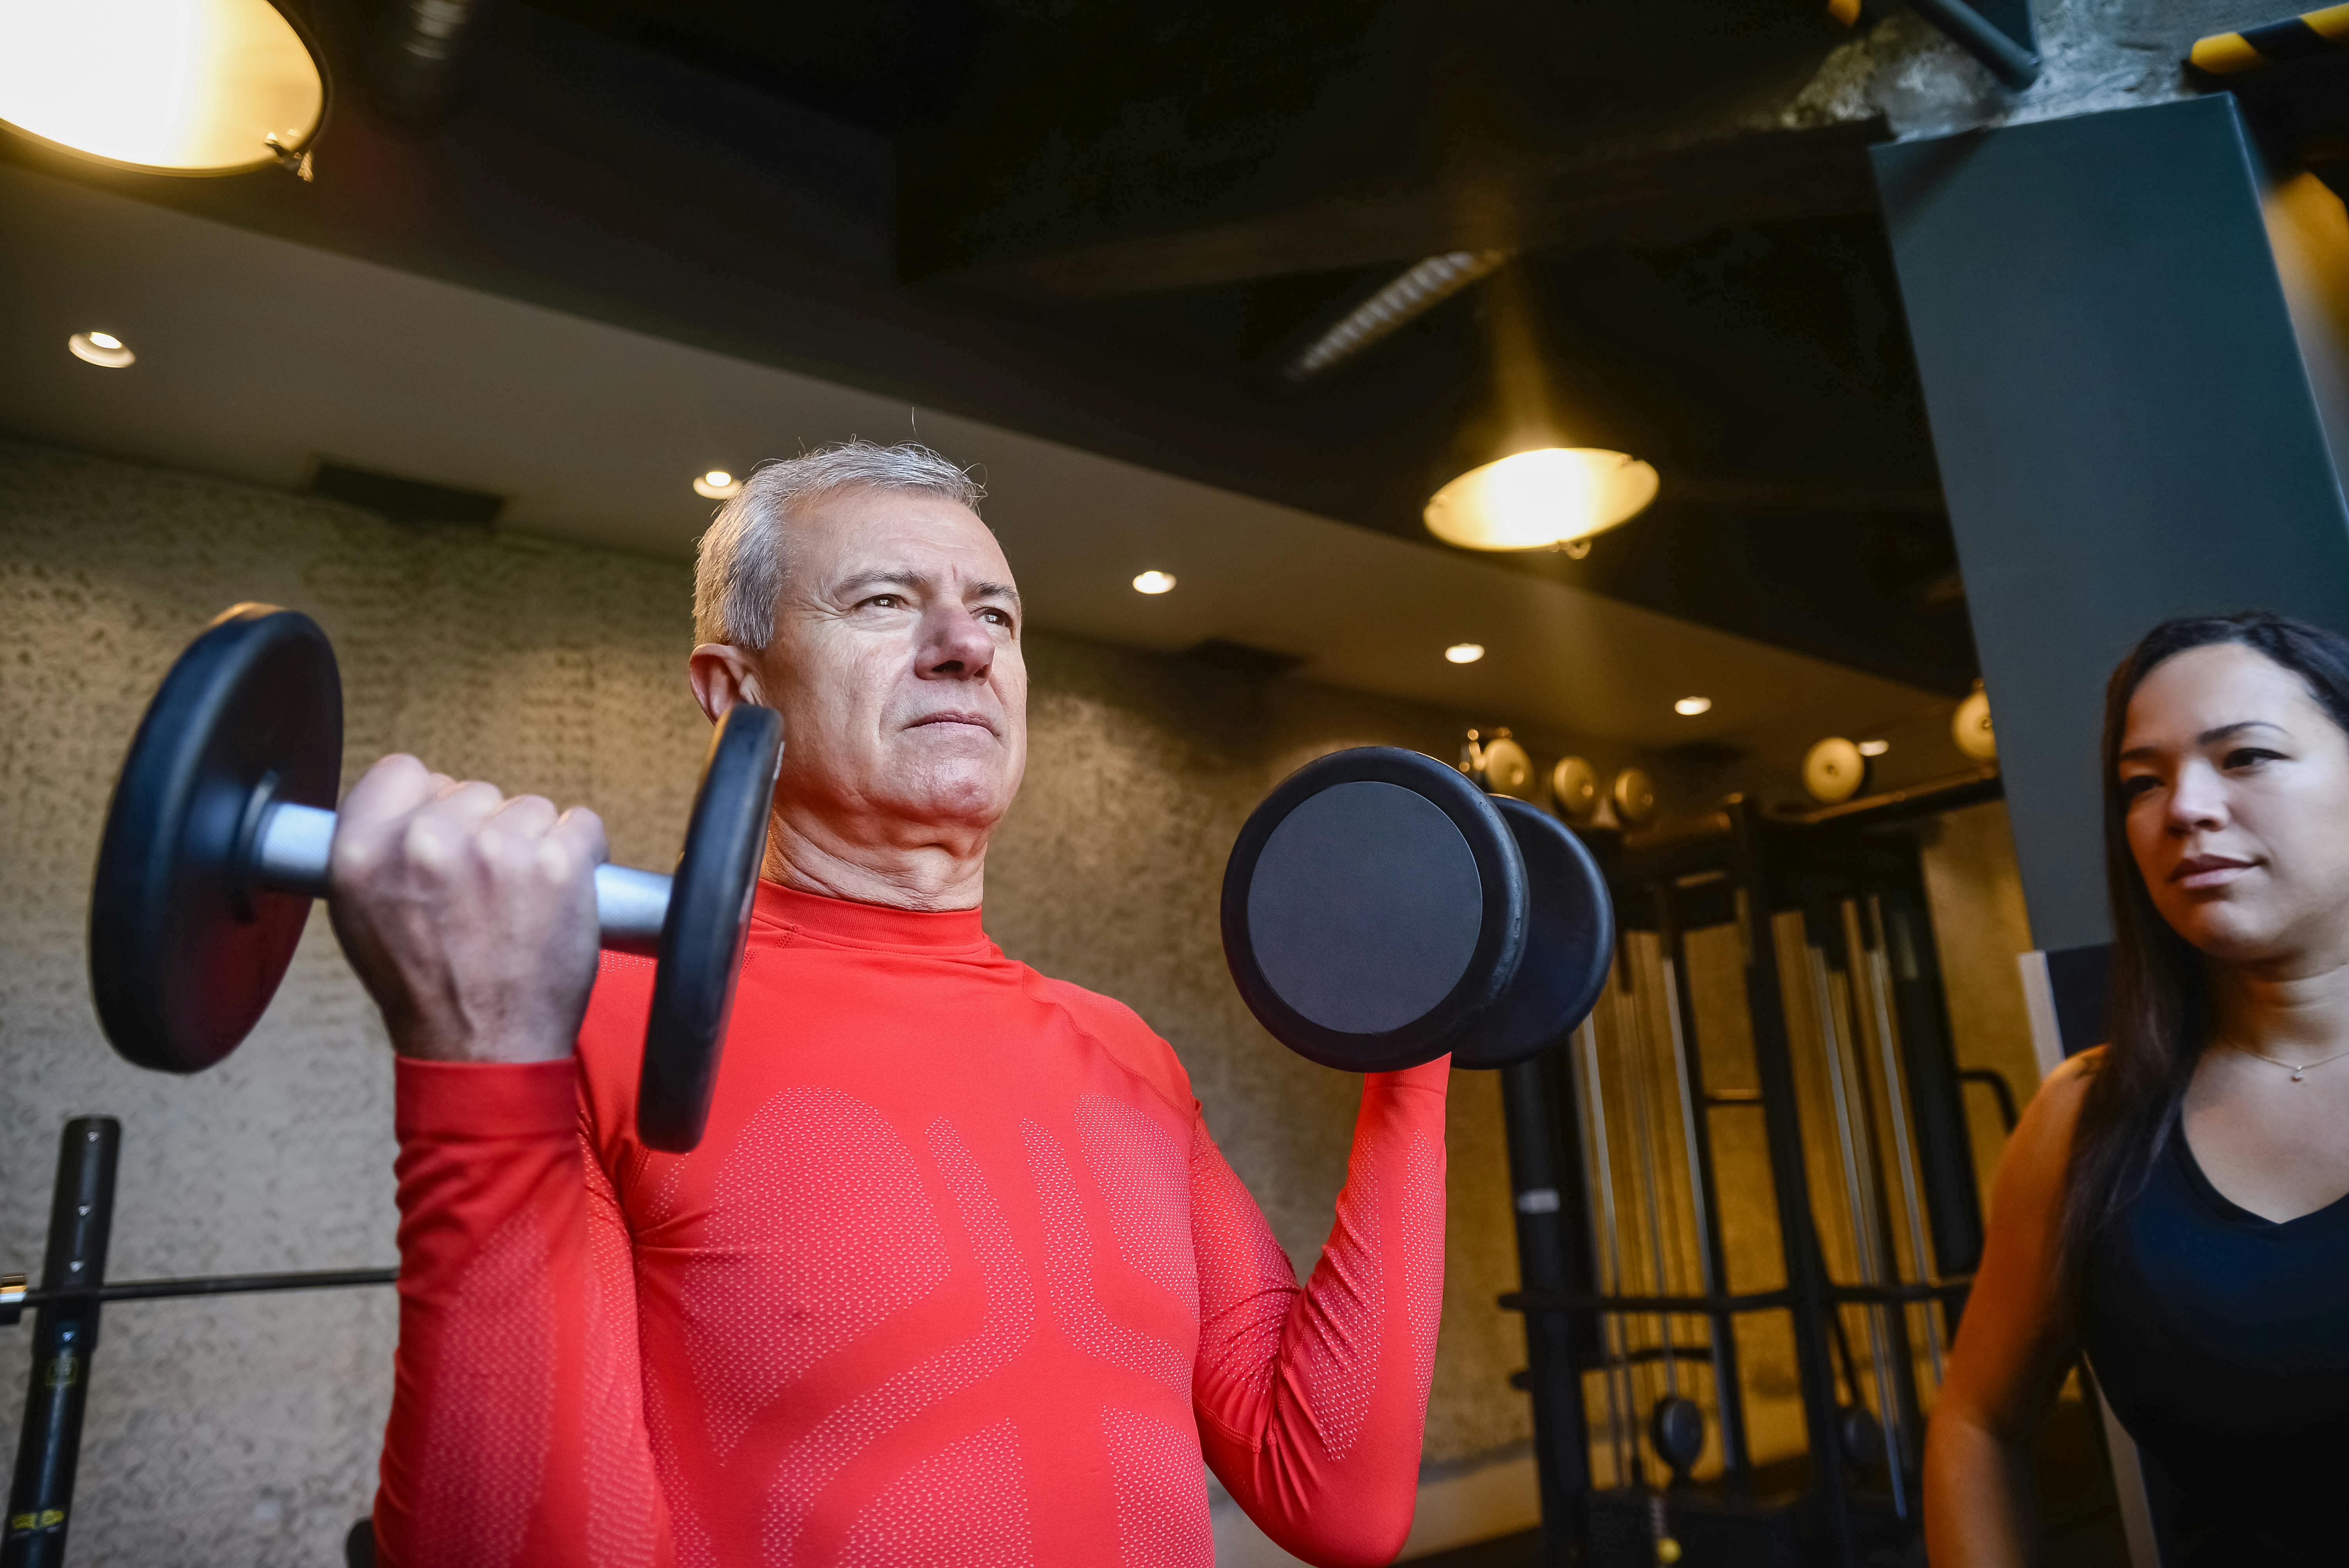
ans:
(2039, 1155)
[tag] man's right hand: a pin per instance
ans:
(469, 917)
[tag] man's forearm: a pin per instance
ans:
(501, 1389)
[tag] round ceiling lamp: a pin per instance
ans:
(165, 86)
(1537, 499)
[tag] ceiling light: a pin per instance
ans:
(1154, 581)
(170, 87)
(717, 485)
(1464, 653)
(1689, 706)
(1874, 747)
(101, 348)
(1535, 499)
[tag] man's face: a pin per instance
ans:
(897, 666)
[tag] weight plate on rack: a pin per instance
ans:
(1574, 788)
(1834, 770)
(1969, 726)
(1634, 794)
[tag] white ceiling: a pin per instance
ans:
(256, 357)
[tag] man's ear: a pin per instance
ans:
(721, 675)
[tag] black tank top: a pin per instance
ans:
(2222, 1341)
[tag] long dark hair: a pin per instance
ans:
(2160, 1006)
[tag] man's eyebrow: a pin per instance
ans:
(994, 591)
(882, 578)
(2208, 737)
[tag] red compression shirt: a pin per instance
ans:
(956, 1277)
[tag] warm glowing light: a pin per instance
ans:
(1464, 653)
(1154, 581)
(176, 87)
(1874, 747)
(101, 348)
(1689, 706)
(1539, 498)
(717, 485)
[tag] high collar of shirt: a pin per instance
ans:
(788, 914)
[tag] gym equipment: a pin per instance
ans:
(1634, 795)
(1833, 771)
(1499, 764)
(1574, 789)
(1380, 909)
(65, 1333)
(1969, 726)
(217, 839)
(1825, 918)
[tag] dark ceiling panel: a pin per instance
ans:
(746, 178)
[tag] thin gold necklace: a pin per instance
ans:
(2298, 1069)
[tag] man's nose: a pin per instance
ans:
(954, 646)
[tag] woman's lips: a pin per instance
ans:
(2199, 872)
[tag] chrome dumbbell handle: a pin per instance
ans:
(290, 853)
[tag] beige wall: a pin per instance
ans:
(244, 1431)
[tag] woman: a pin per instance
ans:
(2176, 1203)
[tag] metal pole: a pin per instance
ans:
(1790, 1183)
(1636, 1049)
(1879, 992)
(1546, 1253)
(64, 1334)
(1601, 1177)
(1696, 1136)
(1865, 1235)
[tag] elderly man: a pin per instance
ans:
(956, 1275)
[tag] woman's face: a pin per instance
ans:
(2236, 786)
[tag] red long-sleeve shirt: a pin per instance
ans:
(956, 1277)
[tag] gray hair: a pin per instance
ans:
(738, 572)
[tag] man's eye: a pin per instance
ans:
(1000, 617)
(884, 602)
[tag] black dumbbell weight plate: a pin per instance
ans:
(184, 953)
(1570, 944)
(1374, 910)
(707, 923)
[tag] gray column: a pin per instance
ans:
(2124, 417)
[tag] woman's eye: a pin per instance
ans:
(2137, 785)
(2248, 756)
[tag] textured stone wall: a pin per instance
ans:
(244, 1431)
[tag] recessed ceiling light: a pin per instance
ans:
(1154, 581)
(1464, 653)
(1874, 747)
(101, 348)
(717, 485)
(1689, 706)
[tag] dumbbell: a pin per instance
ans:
(1380, 909)
(216, 843)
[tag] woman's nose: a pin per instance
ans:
(2197, 797)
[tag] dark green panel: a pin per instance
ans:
(2123, 421)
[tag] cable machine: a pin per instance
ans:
(1641, 1338)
